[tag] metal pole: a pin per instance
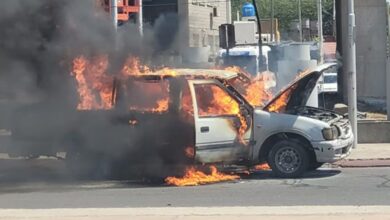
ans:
(388, 63)
(228, 12)
(261, 66)
(351, 67)
(114, 13)
(334, 18)
(300, 20)
(320, 32)
(272, 20)
(140, 18)
(227, 46)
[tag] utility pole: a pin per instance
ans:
(228, 12)
(114, 13)
(351, 70)
(261, 62)
(320, 32)
(388, 64)
(300, 20)
(272, 20)
(140, 18)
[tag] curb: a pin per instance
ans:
(361, 163)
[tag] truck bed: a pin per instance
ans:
(112, 132)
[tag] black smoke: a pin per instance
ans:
(38, 41)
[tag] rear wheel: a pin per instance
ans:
(88, 165)
(288, 158)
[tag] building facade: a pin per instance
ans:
(198, 23)
(202, 20)
(371, 48)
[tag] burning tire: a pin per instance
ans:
(288, 158)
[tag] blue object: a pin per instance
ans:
(248, 10)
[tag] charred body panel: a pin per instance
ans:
(125, 136)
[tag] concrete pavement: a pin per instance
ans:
(371, 151)
(214, 213)
(368, 155)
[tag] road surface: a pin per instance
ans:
(43, 184)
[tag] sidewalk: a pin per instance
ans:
(368, 155)
(202, 213)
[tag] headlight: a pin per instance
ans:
(330, 133)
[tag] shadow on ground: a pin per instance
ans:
(317, 174)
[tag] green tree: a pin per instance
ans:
(287, 10)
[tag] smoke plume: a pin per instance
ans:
(38, 41)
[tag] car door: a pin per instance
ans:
(217, 123)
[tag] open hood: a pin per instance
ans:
(298, 92)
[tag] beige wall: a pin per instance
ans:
(201, 26)
(371, 44)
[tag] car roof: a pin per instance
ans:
(191, 73)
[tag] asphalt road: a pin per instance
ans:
(44, 184)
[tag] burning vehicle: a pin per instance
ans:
(174, 117)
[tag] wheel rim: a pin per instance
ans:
(288, 160)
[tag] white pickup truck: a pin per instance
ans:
(291, 137)
(292, 141)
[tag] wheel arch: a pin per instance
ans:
(272, 139)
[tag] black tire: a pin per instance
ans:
(315, 165)
(288, 158)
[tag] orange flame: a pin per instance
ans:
(162, 106)
(133, 67)
(263, 166)
(255, 91)
(189, 152)
(223, 104)
(94, 85)
(195, 177)
(282, 102)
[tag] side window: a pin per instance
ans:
(147, 96)
(214, 101)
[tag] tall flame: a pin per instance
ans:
(280, 104)
(94, 84)
(256, 91)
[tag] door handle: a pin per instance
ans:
(204, 129)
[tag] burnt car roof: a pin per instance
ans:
(191, 73)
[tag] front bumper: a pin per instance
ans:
(332, 151)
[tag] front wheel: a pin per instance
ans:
(288, 158)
